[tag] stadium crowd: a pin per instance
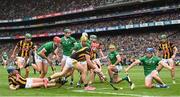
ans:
(78, 27)
(22, 9)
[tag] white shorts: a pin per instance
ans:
(149, 76)
(119, 68)
(70, 62)
(40, 60)
(65, 57)
(83, 62)
(21, 60)
(4, 61)
(94, 60)
(167, 61)
(29, 83)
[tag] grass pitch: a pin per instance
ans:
(103, 89)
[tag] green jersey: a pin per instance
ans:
(49, 47)
(149, 64)
(112, 56)
(78, 45)
(88, 43)
(67, 45)
(5, 56)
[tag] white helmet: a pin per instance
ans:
(84, 34)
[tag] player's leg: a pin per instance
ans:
(67, 68)
(97, 71)
(36, 67)
(155, 76)
(115, 76)
(20, 62)
(92, 76)
(84, 64)
(148, 81)
(40, 66)
(172, 64)
(4, 63)
(83, 72)
(110, 72)
(60, 74)
(27, 70)
(72, 78)
(99, 65)
(44, 68)
(63, 62)
(113, 73)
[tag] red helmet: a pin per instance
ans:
(57, 39)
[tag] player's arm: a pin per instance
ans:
(12, 87)
(158, 50)
(15, 49)
(56, 53)
(43, 55)
(132, 65)
(101, 53)
(175, 50)
(109, 62)
(89, 62)
(118, 60)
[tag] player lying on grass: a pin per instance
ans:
(150, 63)
(16, 81)
(73, 62)
(114, 67)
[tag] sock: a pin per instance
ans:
(126, 78)
(85, 85)
(72, 79)
(34, 71)
(111, 79)
(49, 78)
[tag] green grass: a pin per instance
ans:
(103, 89)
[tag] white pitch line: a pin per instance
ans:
(136, 86)
(109, 93)
(119, 94)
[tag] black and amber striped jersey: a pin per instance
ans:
(80, 54)
(24, 48)
(167, 49)
(14, 81)
(93, 55)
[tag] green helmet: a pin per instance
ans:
(163, 36)
(67, 30)
(28, 36)
(93, 37)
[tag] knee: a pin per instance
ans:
(109, 68)
(43, 72)
(148, 86)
